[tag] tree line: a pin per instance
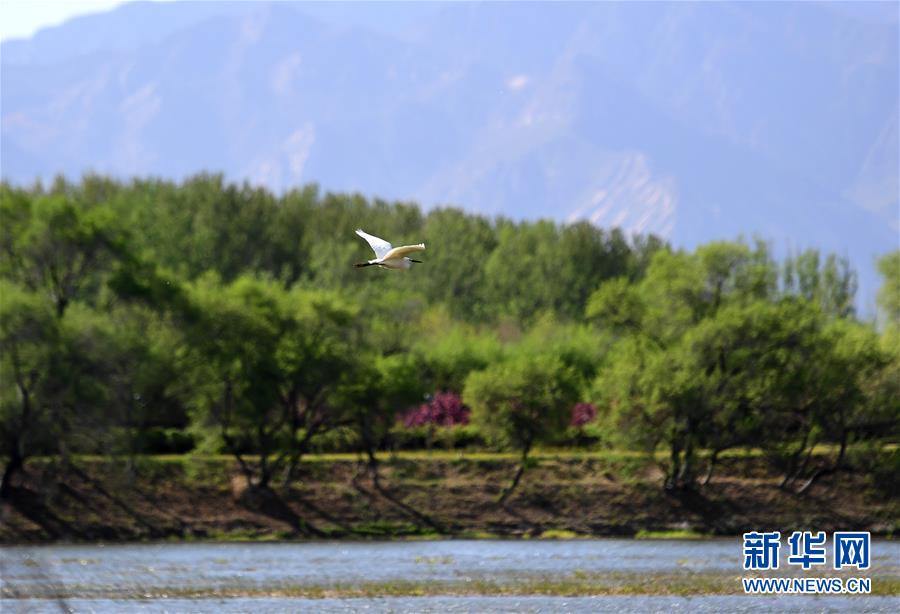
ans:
(151, 315)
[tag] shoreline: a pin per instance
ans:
(194, 499)
(371, 540)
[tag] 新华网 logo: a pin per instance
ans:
(807, 549)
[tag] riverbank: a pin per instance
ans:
(421, 497)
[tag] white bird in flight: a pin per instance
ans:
(388, 256)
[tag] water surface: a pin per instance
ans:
(115, 578)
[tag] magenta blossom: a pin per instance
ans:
(583, 413)
(445, 409)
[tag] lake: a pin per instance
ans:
(280, 577)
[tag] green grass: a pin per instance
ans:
(672, 534)
(441, 455)
(240, 535)
(383, 528)
(560, 534)
(478, 535)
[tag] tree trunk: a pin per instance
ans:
(61, 304)
(686, 474)
(838, 464)
(294, 422)
(235, 451)
(299, 449)
(712, 465)
(802, 468)
(521, 470)
(373, 467)
(17, 448)
(675, 469)
(265, 471)
(791, 471)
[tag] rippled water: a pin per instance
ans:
(99, 575)
(667, 605)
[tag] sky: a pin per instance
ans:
(22, 18)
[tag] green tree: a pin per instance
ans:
(579, 346)
(830, 284)
(135, 348)
(76, 379)
(54, 245)
(587, 256)
(448, 351)
(889, 293)
(266, 368)
(458, 246)
(521, 402)
(744, 366)
(380, 388)
(315, 358)
(522, 274)
(232, 364)
(698, 338)
(851, 397)
(29, 343)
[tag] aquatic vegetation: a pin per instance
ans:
(671, 534)
(579, 583)
(434, 560)
(560, 534)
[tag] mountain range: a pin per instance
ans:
(695, 121)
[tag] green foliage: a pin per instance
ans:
(779, 375)
(380, 388)
(579, 347)
(458, 246)
(30, 338)
(446, 437)
(448, 351)
(339, 439)
(889, 294)
(523, 401)
(56, 245)
(262, 363)
(616, 305)
(832, 284)
(132, 312)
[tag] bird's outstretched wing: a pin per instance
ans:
(399, 252)
(379, 246)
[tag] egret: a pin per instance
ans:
(388, 256)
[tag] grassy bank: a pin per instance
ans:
(422, 495)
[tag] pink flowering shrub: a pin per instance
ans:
(445, 409)
(583, 413)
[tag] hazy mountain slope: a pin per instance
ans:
(692, 120)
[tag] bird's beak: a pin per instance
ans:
(418, 261)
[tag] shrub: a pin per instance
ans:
(582, 413)
(444, 409)
(157, 440)
(339, 439)
(449, 437)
